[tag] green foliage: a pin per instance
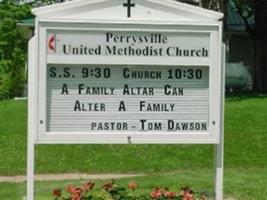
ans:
(13, 78)
(116, 192)
(245, 8)
(13, 48)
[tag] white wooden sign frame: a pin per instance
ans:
(136, 137)
(37, 133)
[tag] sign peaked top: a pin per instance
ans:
(133, 10)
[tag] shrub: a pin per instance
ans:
(115, 192)
(13, 49)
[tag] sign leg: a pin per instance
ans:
(30, 171)
(219, 148)
(218, 177)
(31, 118)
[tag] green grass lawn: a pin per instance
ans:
(245, 153)
(13, 119)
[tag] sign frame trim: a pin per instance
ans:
(45, 137)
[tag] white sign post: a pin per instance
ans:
(143, 77)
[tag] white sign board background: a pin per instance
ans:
(195, 113)
(175, 99)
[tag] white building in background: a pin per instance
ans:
(24, 1)
(20, 2)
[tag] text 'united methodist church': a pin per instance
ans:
(113, 44)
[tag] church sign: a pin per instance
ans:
(113, 82)
(126, 71)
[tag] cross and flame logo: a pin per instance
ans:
(52, 43)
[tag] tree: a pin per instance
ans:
(258, 32)
(13, 49)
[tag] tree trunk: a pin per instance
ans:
(260, 70)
